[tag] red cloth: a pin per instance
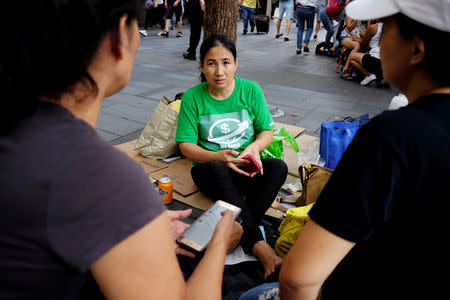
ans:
(335, 8)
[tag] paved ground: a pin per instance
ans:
(305, 87)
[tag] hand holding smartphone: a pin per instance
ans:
(201, 231)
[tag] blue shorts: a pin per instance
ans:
(285, 6)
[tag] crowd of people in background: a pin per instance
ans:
(354, 43)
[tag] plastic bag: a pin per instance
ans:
(336, 136)
(275, 149)
(290, 228)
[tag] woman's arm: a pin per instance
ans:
(200, 155)
(206, 281)
(262, 141)
(350, 24)
(310, 261)
(142, 265)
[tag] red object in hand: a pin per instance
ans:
(252, 165)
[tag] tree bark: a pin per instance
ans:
(221, 16)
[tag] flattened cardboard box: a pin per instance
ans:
(149, 165)
(178, 170)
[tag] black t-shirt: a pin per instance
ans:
(66, 198)
(389, 195)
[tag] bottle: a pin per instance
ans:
(165, 186)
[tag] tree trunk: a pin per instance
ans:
(221, 16)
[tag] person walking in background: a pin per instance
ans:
(305, 14)
(196, 17)
(285, 7)
(365, 238)
(274, 6)
(321, 4)
(155, 11)
(248, 13)
(173, 7)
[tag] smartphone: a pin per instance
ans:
(252, 165)
(198, 235)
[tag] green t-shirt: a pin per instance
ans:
(232, 123)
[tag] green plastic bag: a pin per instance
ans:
(275, 149)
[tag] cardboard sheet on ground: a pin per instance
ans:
(197, 200)
(179, 171)
(149, 165)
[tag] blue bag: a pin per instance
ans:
(336, 136)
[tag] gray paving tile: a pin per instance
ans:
(128, 112)
(107, 136)
(117, 125)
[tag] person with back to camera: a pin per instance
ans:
(72, 206)
(221, 120)
(378, 229)
(305, 16)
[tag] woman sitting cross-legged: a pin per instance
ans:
(221, 120)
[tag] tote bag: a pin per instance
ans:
(157, 140)
(336, 136)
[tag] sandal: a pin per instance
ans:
(179, 34)
(165, 33)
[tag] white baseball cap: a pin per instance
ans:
(433, 13)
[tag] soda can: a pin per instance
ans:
(165, 186)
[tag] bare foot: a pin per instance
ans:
(269, 259)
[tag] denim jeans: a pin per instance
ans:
(248, 14)
(303, 14)
(328, 24)
(285, 7)
(266, 291)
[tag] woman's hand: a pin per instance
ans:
(254, 150)
(227, 231)
(178, 228)
(226, 156)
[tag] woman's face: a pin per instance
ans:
(219, 67)
(395, 55)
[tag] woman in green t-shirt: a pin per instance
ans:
(221, 120)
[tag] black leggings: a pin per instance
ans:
(219, 182)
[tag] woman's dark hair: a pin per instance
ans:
(48, 46)
(212, 41)
(436, 52)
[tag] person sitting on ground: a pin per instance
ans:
(173, 7)
(77, 214)
(248, 13)
(221, 120)
(285, 6)
(365, 238)
(369, 64)
(349, 41)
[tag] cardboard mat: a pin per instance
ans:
(180, 172)
(179, 169)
